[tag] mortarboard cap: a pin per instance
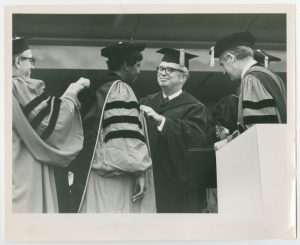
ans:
(233, 40)
(20, 45)
(264, 58)
(122, 50)
(176, 56)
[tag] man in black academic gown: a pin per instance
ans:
(225, 112)
(262, 93)
(176, 122)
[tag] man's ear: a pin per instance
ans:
(230, 57)
(125, 66)
(17, 61)
(183, 78)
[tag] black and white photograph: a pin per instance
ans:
(181, 118)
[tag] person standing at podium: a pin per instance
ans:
(262, 94)
(225, 112)
(176, 122)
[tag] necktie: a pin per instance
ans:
(166, 99)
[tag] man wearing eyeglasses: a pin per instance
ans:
(176, 122)
(47, 132)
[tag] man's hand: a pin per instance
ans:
(83, 83)
(218, 145)
(80, 84)
(152, 114)
(139, 188)
(221, 132)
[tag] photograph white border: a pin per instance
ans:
(96, 227)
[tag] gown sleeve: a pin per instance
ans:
(55, 121)
(258, 106)
(122, 146)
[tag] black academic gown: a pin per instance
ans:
(185, 127)
(225, 114)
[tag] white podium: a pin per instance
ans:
(256, 183)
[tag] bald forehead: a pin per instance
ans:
(170, 64)
(27, 53)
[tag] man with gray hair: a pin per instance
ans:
(46, 132)
(177, 122)
(262, 95)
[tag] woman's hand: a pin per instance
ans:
(139, 188)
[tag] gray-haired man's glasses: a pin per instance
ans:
(31, 59)
(168, 70)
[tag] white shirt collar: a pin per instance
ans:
(173, 95)
(247, 67)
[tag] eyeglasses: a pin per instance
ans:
(168, 70)
(31, 59)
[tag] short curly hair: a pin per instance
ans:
(115, 64)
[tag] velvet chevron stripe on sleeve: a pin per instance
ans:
(54, 116)
(36, 121)
(34, 103)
